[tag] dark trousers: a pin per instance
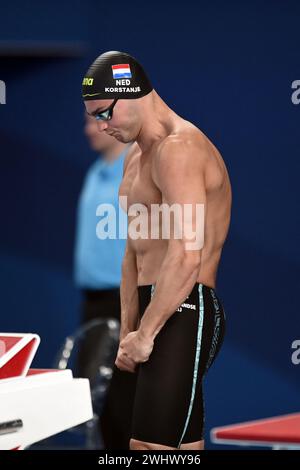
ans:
(116, 416)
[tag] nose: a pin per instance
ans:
(102, 125)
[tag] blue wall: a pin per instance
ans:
(227, 67)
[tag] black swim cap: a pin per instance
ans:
(113, 75)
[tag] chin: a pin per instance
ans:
(122, 139)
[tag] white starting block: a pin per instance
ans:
(36, 403)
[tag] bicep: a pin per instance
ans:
(181, 179)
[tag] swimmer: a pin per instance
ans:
(172, 319)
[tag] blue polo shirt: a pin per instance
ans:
(98, 261)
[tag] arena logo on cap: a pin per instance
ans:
(2, 92)
(121, 71)
(88, 81)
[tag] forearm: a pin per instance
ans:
(177, 278)
(129, 296)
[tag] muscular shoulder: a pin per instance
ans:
(185, 153)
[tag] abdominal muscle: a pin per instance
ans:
(150, 255)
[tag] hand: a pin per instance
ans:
(123, 362)
(133, 349)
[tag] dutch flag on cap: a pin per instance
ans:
(121, 71)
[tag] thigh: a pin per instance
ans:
(168, 406)
(116, 417)
(165, 382)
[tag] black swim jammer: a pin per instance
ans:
(168, 405)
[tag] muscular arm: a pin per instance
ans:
(128, 289)
(179, 173)
(129, 293)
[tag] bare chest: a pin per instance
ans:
(138, 186)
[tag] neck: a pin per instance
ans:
(157, 121)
